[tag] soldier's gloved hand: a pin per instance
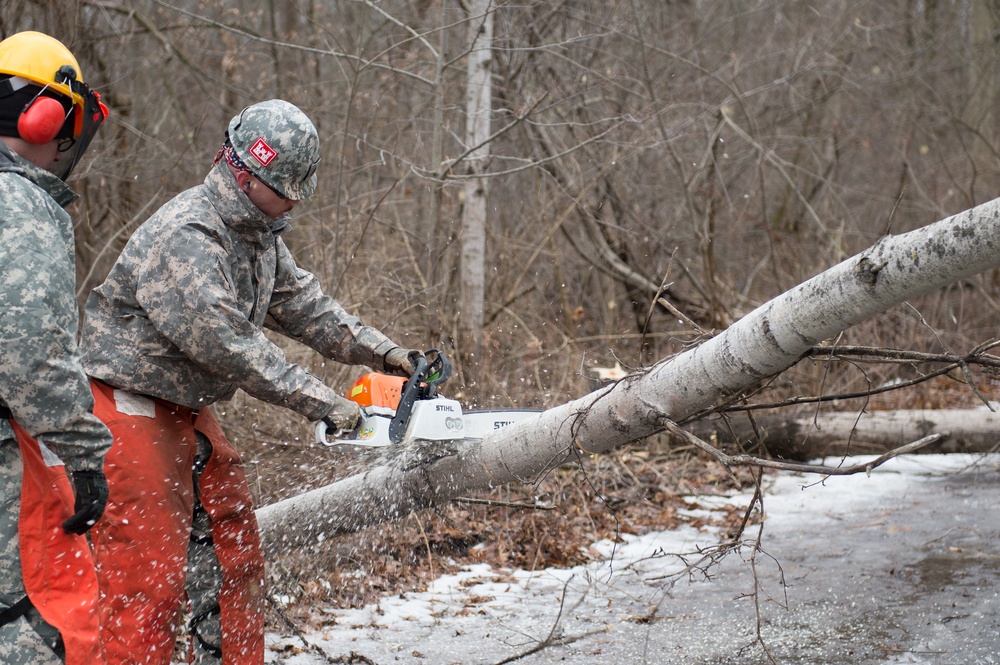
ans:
(343, 416)
(402, 362)
(91, 489)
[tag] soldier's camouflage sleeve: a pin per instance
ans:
(181, 313)
(300, 310)
(41, 379)
(188, 297)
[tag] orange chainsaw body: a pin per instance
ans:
(377, 390)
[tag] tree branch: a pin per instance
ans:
(751, 460)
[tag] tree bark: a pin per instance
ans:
(980, 111)
(807, 436)
(765, 342)
(478, 106)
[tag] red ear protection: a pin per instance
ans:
(41, 121)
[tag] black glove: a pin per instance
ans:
(343, 415)
(402, 362)
(91, 489)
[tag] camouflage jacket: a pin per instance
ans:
(181, 313)
(41, 379)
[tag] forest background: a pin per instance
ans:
(655, 170)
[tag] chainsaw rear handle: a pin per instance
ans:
(321, 429)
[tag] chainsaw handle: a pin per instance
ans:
(321, 429)
(439, 369)
(411, 390)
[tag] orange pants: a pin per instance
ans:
(141, 542)
(57, 567)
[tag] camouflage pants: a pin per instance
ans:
(28, 640)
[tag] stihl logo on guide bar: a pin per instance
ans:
(262, 152)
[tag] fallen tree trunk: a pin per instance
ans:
(807, 436)
(765, 342)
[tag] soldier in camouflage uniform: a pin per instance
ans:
(48, 585)
(177, 326)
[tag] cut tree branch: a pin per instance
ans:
(750, 460)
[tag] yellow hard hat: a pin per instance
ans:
(33, 58)
(43, 60)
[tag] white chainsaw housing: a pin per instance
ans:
(437, 419)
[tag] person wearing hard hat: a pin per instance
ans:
(177, 326)
(52, 487)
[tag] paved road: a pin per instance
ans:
(900, 567)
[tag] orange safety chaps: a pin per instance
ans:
(141, 542)
(57, 567)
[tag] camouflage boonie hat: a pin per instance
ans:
(279, 144)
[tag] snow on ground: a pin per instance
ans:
(482, 604)
(484, 615)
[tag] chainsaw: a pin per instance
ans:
(396, 410)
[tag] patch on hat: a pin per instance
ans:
(262, 152)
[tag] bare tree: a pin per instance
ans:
(983, 70)
(479, 109)
(763, 343)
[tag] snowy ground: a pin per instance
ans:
(899, 567)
